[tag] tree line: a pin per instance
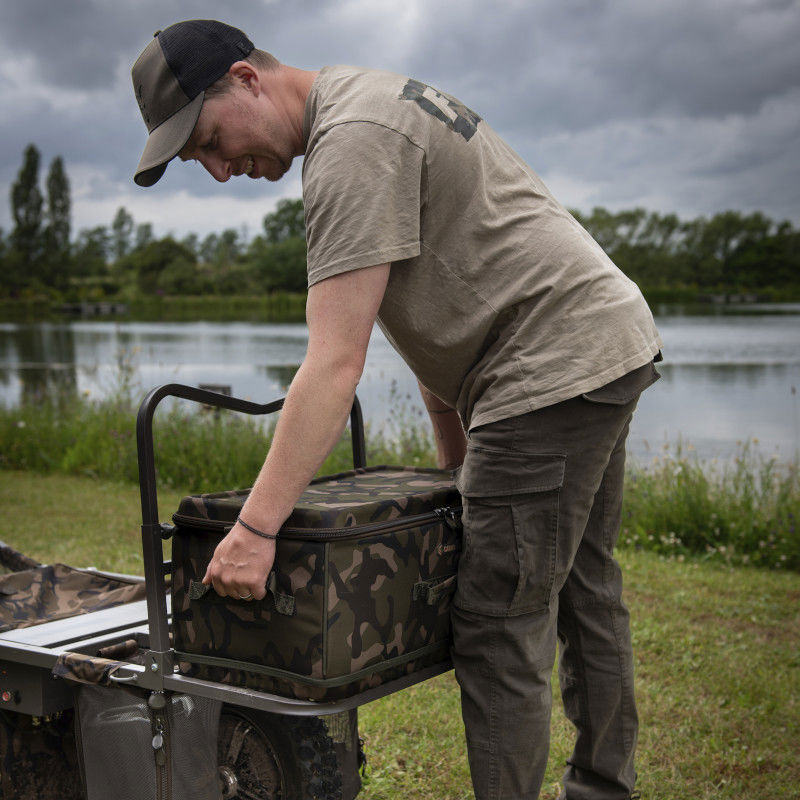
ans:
(125, 260)
(729, 252)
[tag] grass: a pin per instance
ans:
(717, 660)
(76, 520)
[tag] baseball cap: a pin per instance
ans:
(169, 80)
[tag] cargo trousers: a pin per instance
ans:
(542, 496)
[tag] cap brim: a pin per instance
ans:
(166, 141)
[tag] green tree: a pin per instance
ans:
(144, 236)
(121, 233)
(91, 252)
(228, 248)
(4, 263)
(180, 275)
(286, 222)
(279, 266)
(766, 255)
(161, 266)
(208, 248)
(192, 241)
(56, 269)
(26, 209)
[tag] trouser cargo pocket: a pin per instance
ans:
(511, 504)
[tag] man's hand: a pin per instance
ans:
(240, 565)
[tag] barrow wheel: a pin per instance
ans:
(38, 758)
(266, 756)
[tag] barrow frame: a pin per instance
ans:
(27, 655)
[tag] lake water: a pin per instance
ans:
(728, 378)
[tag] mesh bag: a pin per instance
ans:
(134, 747)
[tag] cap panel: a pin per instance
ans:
(167, 140)
(201, 51)
(157, 91)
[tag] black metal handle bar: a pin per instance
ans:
(152, 550)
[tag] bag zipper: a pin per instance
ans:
(449, 515)
(159, 708)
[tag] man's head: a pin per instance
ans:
(170, 81)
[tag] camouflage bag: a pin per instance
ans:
(360, 592)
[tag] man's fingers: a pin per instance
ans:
(259, 593)
(234, 588)
(237, 571)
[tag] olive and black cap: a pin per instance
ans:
(169, 80)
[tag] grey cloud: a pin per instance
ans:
(613, 93)
(574, 65)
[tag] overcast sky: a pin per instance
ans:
(691, 106)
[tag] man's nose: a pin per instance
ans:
(218, 168)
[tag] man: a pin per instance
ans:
(521, 332)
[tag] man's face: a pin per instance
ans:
(240, 134)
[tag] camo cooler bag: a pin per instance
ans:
(359, 594)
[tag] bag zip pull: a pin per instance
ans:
(158, 743)
(157, 703)
(450, 516)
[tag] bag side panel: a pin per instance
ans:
(373, 613)
(250, 630)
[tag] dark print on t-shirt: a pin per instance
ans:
(455, 115)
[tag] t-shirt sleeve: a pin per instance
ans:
(362, 187)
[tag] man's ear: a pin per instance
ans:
(246, 75)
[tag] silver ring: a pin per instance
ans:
(246, 596)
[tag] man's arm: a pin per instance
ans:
(340, 312)
(451, 444)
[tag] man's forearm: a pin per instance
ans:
(340, 312)
(311, 422)
(451, 444)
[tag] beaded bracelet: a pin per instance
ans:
(256, 531)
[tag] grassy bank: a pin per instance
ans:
(743, 511)
(739, 512)
(290, 307)
(263, 307)
(718, 670)
(273, 307)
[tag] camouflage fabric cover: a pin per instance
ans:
(360, 593)
(96, 670)
(82, 668)
(56, 591)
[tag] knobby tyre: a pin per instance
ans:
(265, 756)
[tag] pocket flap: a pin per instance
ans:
(492, 473)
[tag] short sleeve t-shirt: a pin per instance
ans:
(499, 301)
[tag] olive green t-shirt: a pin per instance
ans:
(499, 301)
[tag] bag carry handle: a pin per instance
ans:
(434, 590)
(284, 603)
